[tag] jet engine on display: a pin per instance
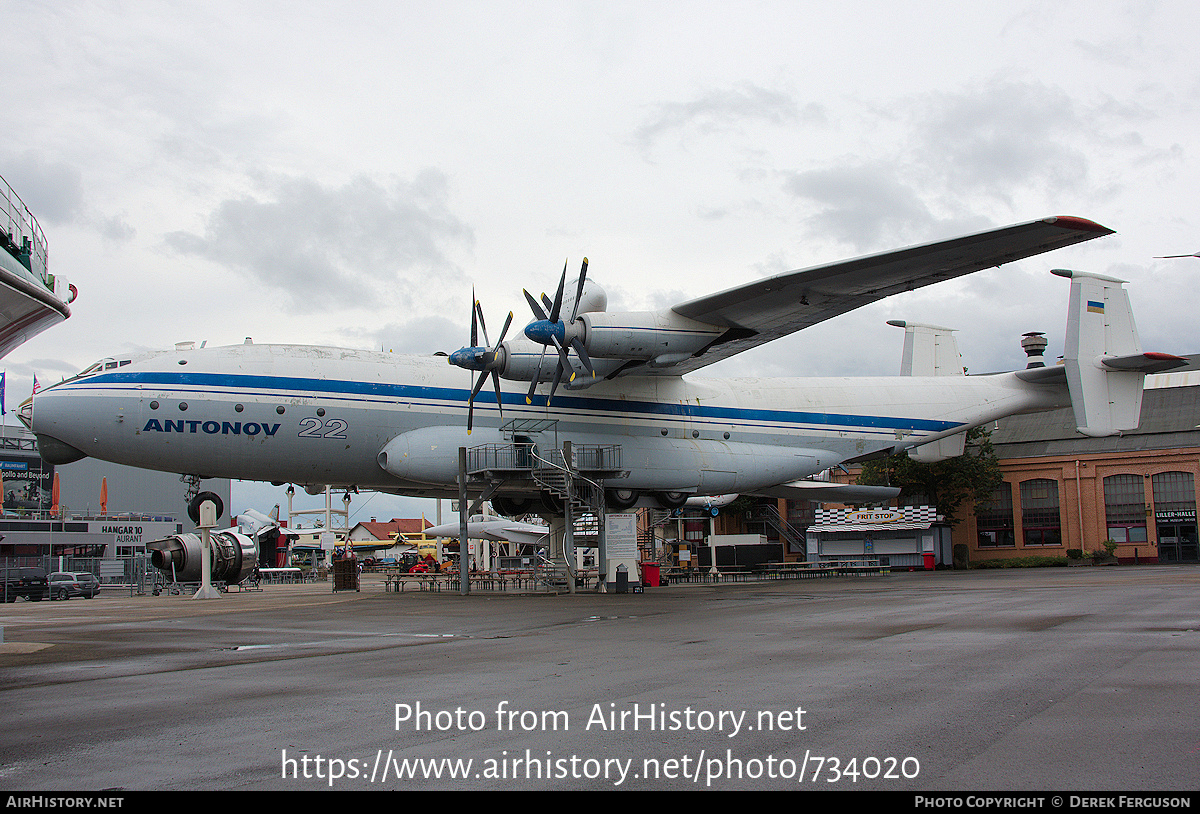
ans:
(234, 556)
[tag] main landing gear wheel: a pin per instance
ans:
(671, 500)
(620, 499)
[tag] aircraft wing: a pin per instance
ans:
(496, 530)
(773, 307)
(520, 533)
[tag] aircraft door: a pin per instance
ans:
(526, 451)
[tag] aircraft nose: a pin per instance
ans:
(25, 413)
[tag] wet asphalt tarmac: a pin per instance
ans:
(1077, 679)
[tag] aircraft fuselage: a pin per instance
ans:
(313, 416)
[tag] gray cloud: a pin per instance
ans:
(344, 246)
(863, 205)
(1002, 136)
(423, 335)
(54, 193)
(52, 190)
(719, 110)
(971, 158)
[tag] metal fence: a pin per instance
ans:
(133, 573)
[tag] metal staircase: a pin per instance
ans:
(770, 516)
(552, 575)
(567, 483)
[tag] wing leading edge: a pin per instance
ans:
(773, 307)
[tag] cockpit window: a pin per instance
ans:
(110, 363)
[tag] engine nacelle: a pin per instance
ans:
(521, 360)
(234, 556)
(661, 338)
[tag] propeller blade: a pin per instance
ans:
(562, 282)
(579, 289)
(564, 361)
(474, 328)
(536, 377)
(492, 362)
(558, 369)
(503, 331)
(471, 399)
(534, 305)
(499, 401)
(482, 324)
(478, 385)
(577, 344)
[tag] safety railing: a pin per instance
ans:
(20, 234)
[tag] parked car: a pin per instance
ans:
(30, 583)
(66, 584)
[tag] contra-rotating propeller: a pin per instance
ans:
(550, 329)
(478, 357)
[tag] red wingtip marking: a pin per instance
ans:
(1083, 224)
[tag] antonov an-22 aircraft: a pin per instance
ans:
(317, 416)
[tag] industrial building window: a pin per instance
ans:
(994, 520)
(1125, 508)
(1040, 516)
(1174, 492)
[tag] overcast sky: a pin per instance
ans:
(344, 173)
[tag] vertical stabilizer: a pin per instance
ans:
(1102, 355)
(930, 350)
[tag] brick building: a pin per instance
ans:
(1063, 490)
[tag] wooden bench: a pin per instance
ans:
(426, 582)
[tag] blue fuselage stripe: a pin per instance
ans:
(234, 383)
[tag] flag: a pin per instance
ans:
(36, 386)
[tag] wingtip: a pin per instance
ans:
(1081, 224)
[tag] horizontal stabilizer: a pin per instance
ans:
(1145, 362)
(823, 492)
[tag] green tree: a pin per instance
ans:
(971, 477)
